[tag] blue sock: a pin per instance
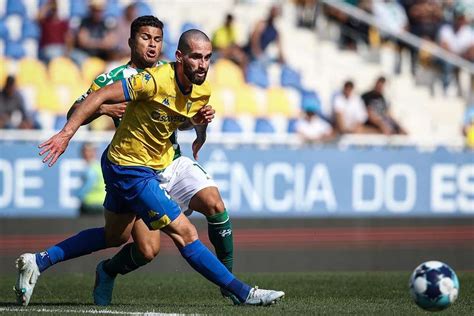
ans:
(84, 243)
(204, 262)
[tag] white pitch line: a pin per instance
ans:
(81, 311)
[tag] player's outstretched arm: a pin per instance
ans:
(57, 144)
(113, 110)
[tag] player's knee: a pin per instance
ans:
(214, 206)
(189, 234)
(149, 251)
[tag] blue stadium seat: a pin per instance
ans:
(143, 8)
(78, 8)
(230, 125)
(310, 101)
(59, 121)
(290, 77)
(113, 9)
(14, 50)
(188, 26)
(30, 29)
(257, 75)
(4, 34)
(292, 125)
(262, 125)
(16, 7)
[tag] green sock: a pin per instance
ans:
(128, 259)
(219, 229)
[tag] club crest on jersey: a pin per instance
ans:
(189, 104)
(166, 102)
(136, 82)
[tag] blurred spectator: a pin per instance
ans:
(379, 117)
(354, 31)
(311, 128)
(307, 12)
(424, 20)
(56, 38)
(92, 191)
(95, 36)
(12, 107)
(392, 15)
(123, 27)
(458, 38)
(224, 42)
(468, 126)
(264, 34)
(350, 111)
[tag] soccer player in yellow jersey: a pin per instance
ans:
(161, 99)
(185, 181)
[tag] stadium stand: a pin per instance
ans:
(265, 93)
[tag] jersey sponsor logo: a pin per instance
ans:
(157, 116)
(225, 232)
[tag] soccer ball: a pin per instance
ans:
(434, 286)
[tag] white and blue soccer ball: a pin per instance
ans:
(434, 286)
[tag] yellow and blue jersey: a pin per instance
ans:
(157, 108)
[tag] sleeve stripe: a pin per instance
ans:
(125, 90)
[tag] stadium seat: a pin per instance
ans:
(310, 100)
(31, 72)
(278, 102)
(217, 102)
(14, 50)
(230, 125)
(78, 8)
(91, 68)
(63, 70)
(14, 24)
(4, 33)
(227, 74)
(30, 29)
(143, 8)
(246, 101)
(292, 125)
(257, 74)
(5, 62)
(48, 100)
(16, 7)
(59, 121)
(290, 77)
(113, 9)
(188, 26)
(263, 125)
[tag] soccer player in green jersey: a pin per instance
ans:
(191, 187)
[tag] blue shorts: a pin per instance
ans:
(137, 189)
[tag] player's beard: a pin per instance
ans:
(192, 75)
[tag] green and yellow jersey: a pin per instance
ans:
(157, 108)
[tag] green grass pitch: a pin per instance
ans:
(319, 293)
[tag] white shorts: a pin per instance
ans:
(182, 179)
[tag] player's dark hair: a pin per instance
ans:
(185, 39)
(348, 84)
(381, 79)
(145, 20)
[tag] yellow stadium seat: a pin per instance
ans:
(48, 100)
(62, 70)
(31, 72)
(227, 74)
(278, 103)
(4, 70)
(246, 102)
(91, 68)
(217, 102)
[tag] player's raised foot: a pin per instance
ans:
(263, 297)
(28, 274)
(103, 287)
(232, 297)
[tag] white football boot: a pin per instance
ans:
(28, 274)
(263, 297)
